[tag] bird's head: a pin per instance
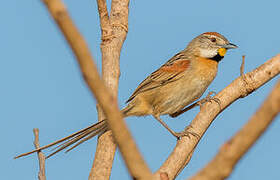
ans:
(211, 45)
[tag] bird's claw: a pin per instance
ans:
(209, 98)
(186, 132)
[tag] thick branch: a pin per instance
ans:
(231, 152)
(106, 100)
(240, 87)
(106, 147)
(111, 45)
(41, 156)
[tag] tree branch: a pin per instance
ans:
(240, 87)
(230, 153)
(111, 45)
(106, 100)
(106, 147)
(41, 156)
(106, 29)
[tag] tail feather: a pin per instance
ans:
(78, 138)
(91, 135)
(81, 134)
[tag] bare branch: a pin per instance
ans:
(112, 41)
(240, 87)
(231, 152)
(41, 156)
(106, 147)
(106, 100)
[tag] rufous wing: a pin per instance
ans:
(171, 71)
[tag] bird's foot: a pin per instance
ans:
(187, 132)
(209, 98)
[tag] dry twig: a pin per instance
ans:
(242, 66)
(41, 156)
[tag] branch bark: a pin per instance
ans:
(41, 156)
(106, 147)
(239, 88)
(113, 36)
(230, 153)
(134, 161)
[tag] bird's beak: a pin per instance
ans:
(229, 46)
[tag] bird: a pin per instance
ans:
(167, 91)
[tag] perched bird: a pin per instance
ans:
(179, 82)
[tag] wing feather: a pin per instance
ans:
(171, 71)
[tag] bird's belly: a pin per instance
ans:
(181, 95)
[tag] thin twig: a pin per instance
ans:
(41, 156)
(242, 66)
(230, 153)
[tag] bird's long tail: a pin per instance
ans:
(73, 140)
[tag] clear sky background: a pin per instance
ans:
(41, 84)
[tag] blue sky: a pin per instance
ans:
(41, 84)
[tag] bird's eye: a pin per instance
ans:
(213, 39)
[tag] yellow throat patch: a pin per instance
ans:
(222, 51)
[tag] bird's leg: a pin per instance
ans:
(178, 113)
(185, 132)
(208, 98)
(177, 135)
